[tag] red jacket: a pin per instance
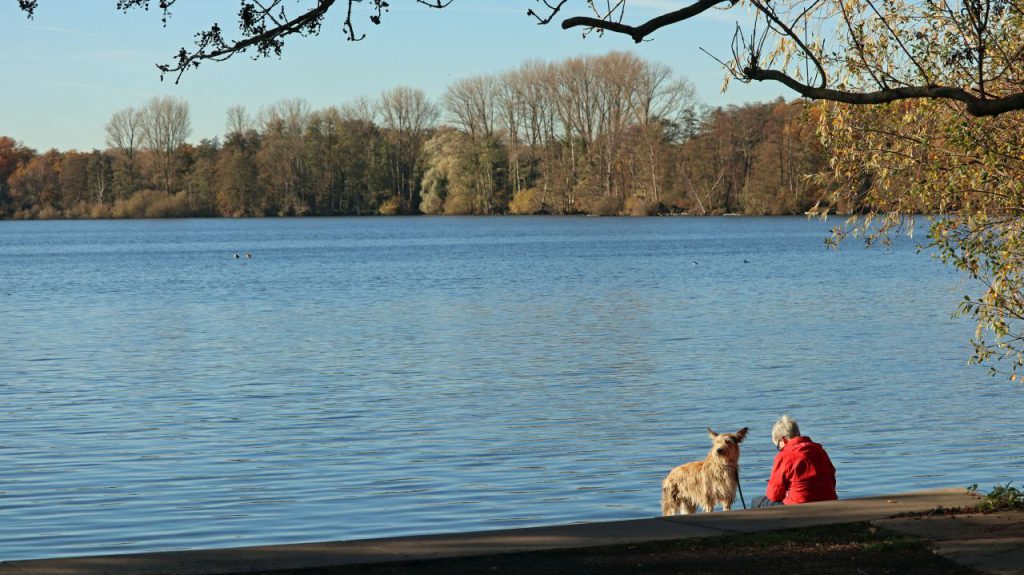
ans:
(802, 473)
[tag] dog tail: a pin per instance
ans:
(669, 498)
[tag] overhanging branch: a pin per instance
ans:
(638, 33)
(211, 44)
(975, 106)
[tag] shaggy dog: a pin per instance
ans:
(707, 482)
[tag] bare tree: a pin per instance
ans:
(406, 115)
(362, 109)
(124, 136)
(656, 100)
(472, 104)
(510, 96)
(166, 125)
(238, 121)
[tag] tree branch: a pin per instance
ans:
(899, 41)
(254, 16)
(554, 9)
(638, 33)
(264, 39)
(978, 107)
(28, 6)
(770, 14)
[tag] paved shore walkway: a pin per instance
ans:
(993, 543)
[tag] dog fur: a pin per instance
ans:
(705, 483)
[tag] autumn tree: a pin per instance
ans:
(74, 183)
(364, 158)
(325, 170)
(282, 159)
(35, 189)
(787, 152)
(896, 161)
(236, 185)
(200, 176)
(100, 178)
(12, 156)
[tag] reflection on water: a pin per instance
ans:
(375, 377)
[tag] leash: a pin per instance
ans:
(736, 474)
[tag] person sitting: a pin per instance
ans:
(802, 471)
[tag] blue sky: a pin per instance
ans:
(68, 70)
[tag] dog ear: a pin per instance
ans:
(712, 433)
(741, 434)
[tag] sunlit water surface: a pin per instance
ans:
(387, 376)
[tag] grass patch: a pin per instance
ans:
(854, 548)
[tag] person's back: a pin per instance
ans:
(802, 473)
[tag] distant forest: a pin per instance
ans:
(607, 135)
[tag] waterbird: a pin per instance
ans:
(248, 256)
(237, 256)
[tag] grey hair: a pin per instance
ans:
(785, 428)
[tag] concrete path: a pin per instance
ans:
(993, 543)
(314, 555)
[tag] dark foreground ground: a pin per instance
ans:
(853, 548)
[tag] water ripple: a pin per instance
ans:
(381, 377)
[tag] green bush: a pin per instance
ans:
(1001, 498)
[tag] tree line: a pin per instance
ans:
(606, 135)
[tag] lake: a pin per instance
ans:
(378, 377)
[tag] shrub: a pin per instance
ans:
(1001, 498)
(49, 212)
(526, 202)
(391, 207)
(152, 204)
(80, 210)
(457, 204)
(640, 207)
(169, 206)
(606, 206)
(431, 203)
(100, 212)
(134, 206)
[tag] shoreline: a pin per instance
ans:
(326, 555)
(428, 216)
